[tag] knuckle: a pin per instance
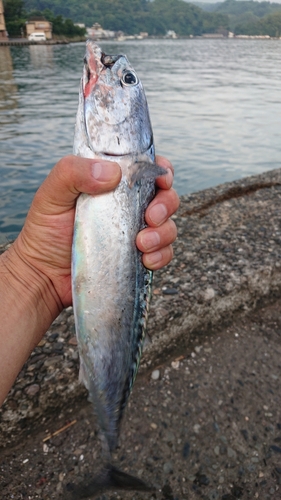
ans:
(65, 162)
(64, 167)
(165, 163)
(176, 198)
(171, 226)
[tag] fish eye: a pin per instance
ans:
(129, 78)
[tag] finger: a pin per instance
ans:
(165, 181)
(71, 176)
(162, 207)
(158, 259)
(150, 239)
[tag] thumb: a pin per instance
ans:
(71, 176)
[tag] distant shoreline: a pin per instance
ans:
(25, 41)
(64, 41)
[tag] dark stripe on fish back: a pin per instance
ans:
(141, 310)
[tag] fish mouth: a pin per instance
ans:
(109, 60)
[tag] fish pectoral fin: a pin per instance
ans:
(145, 170)
(109, 478)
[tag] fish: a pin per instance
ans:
(111, 288)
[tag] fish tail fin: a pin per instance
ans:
(109, 478)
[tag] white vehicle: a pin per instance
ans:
(38, 36)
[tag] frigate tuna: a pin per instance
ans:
(111, 287)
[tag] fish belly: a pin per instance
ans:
(111, 291)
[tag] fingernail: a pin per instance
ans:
(169, 179)
(153, 258)
(158, 213)
(106, 171)
(150, 239)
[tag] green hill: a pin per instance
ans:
(268, 25)
(133, 16)
(243, 13)
(153, 16)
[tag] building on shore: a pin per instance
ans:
(212, 35)
(39, 24)
(171, 34)
(3, 32)
(98, 33)
(80, 25)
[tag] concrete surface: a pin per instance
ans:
(227, 262)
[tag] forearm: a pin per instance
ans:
(28, 307)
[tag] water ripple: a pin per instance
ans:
(215, 107)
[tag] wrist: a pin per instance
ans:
(30, 288)
(28, 307)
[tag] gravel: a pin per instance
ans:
(209, 429)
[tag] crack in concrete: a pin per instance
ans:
(231, 193)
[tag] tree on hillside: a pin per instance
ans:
(187, 19)
(61, 26)
(245, 12)
(14, 16)
(269, 25)
(133, 16)
(237, 8)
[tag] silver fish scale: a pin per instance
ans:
(111, 287)
(111, 291)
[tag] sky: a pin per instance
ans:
(216, 1)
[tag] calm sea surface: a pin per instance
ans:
(215, 107)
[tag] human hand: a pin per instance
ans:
(35, 280)
(156, 240)
(44, 244)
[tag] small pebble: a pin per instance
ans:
(231, 453)
(170, 291)
(73, 341)
(31, 390)
(168, 468)
(275, 448)
(155, 375)
(186, 450)
(208, 294)
(201, 480)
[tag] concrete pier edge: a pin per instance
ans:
(227, 262)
